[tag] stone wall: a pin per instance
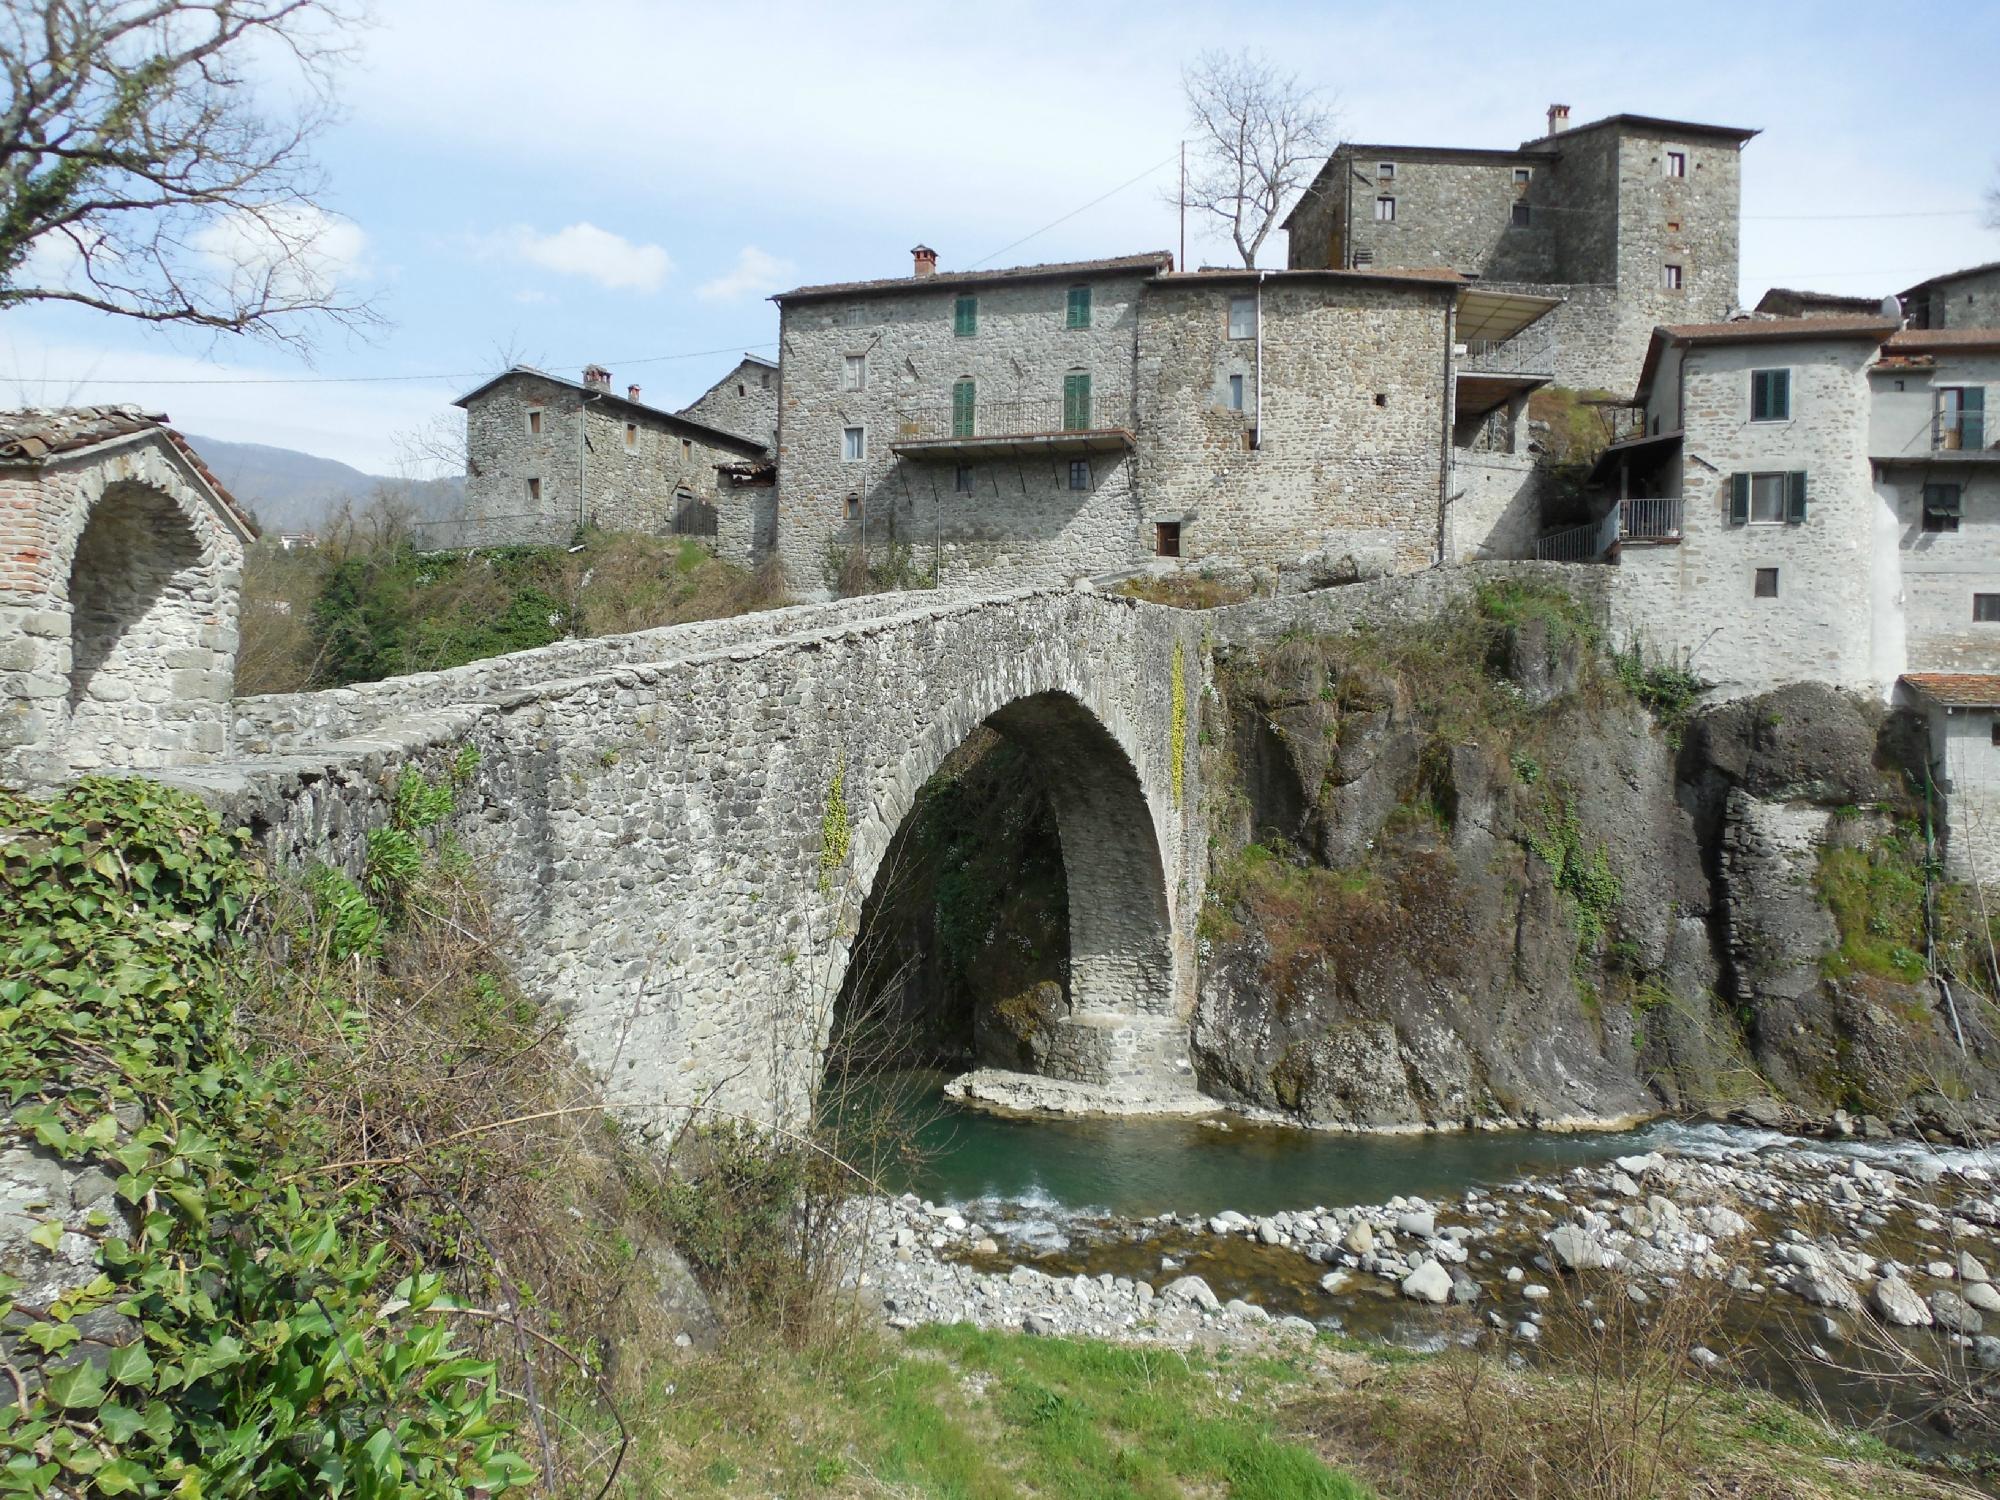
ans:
(1496, 505)
(1350, 431)
(1020, 507)
(118, 612)
(529, 444)
(745, 402)
(1457, 212)
(1971, 300)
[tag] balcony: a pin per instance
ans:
(1650, 520)
(1099, 423)
(1963, 435)
(1493, 371)
(1654, 520)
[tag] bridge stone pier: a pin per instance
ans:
(681, 827)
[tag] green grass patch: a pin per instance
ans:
(1876, 894)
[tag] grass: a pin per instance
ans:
(1186, 591)
(974, 1415)
(1876, 894)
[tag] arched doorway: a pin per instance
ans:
(149, 671)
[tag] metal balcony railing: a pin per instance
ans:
(1591, 542)
(1958, 432)
(1532, 351)
(1655, 519)
(1021, 417)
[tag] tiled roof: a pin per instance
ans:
(1911, 339)
(1861, 305)
(1980, 270)
(1781, 328)
(36, 433)
(1151, 263)
(1649, 122)
(706, 429)
(1958, 689)
(1431, 274)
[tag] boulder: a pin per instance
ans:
(1982, 1295)
(1897, 1304)
(1949, 1310)
(1574, 1249)
(1360, 1238)
(1192, 1289)
(1430, 1282)
(1423, 1225)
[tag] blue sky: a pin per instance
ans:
(627, 181)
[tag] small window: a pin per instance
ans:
(1386, 171)
(1767, 499)
(961, 480)
(1522, 215)
(855, 315)
(764, 380)
(1670, 277)
(687, 448)
(853, 506)
(740, 389)
(1986, 609)
(1677, 163)
(535, 422)
(1243, 317)
(534, 489)
(1943, 505)
(1167, 541)
(1770, 395)
(1673, 226)
(631, 437)
(1236, 392)
(1381, 398)
(1385, 210)
(1079, 473)
(965, 317)
(854, 372)
(1993, 727)
(1767, 583)
(1523, 176)
(1079, 307)
(853, 444)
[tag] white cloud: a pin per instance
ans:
(756, 273)
(598, 255)
(302, 253)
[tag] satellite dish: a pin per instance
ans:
(1892, 308)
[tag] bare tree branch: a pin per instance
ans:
(1259, 136)
(139, 177)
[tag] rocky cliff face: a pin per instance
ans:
(1464, 873)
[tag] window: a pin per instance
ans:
(1767, 499)
(964, 408)
(1961, 417)
(965, 317)
(853, 444)
(1079, 473)
(740, 389)
(1521, 215)
(961, 480)
(535, 422)
(1243, 317)
(1986, 609)
(1381, 398)
(1767, 583)
(1770, 395)
(1167, 540)
(534, 489)
(1076, 401)
(1670, 277)
(631, 437)
(1673, 226)
(854, 372)
(1385, 210)
(854, 315)
(1364, 257)
(1677, 163)
(853, 506)
(687, 448)
(1386, 171)
(1993, 726)
(1523, 176)
(1236, 392)
(1079, 307)
(1943, 505)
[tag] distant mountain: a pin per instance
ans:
(292, 491)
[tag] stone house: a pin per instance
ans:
(1819, 499)
(1059, 420)
(1786, 302)
(121, 557)
(547, 456)
(1631, 220)
(1957, 299)
(745, 401)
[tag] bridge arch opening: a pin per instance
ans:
(144, 656)
(1018, 917)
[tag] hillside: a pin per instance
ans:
(292, 491)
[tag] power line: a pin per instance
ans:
(1171, 156)
(649, 359)
(1915, 213)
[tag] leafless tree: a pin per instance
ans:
(141, 176)
(1259, 135)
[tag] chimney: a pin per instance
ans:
(925, 259)
(1558, 118)
(631, 393)
(596, 378)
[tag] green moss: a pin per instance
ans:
(835, 836)
(1179, 728)
(1582, 873)
(1876, 895)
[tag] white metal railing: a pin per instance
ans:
(1532, 351)
(1651, 519)
(1588, 543)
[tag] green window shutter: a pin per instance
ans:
(1972, 421)
(964, 409)
(1795, 497)
(1760, 395)
(965, 317)
(1781, 395)
(1079, 307)
(1739, 499)
(1076, 402)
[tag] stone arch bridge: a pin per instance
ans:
(682, 825)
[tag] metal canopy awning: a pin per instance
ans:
(1068, 444)
(1480, 393)
(1487, 314)
(1645, 450)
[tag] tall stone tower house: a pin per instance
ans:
(1633, 221)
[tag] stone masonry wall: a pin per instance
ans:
(119, 579)
(626, 487)
(1496, 505)
(1021, 507)
(1456, 213)
(1965, 302)
(745, 402)
(1353, 418)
